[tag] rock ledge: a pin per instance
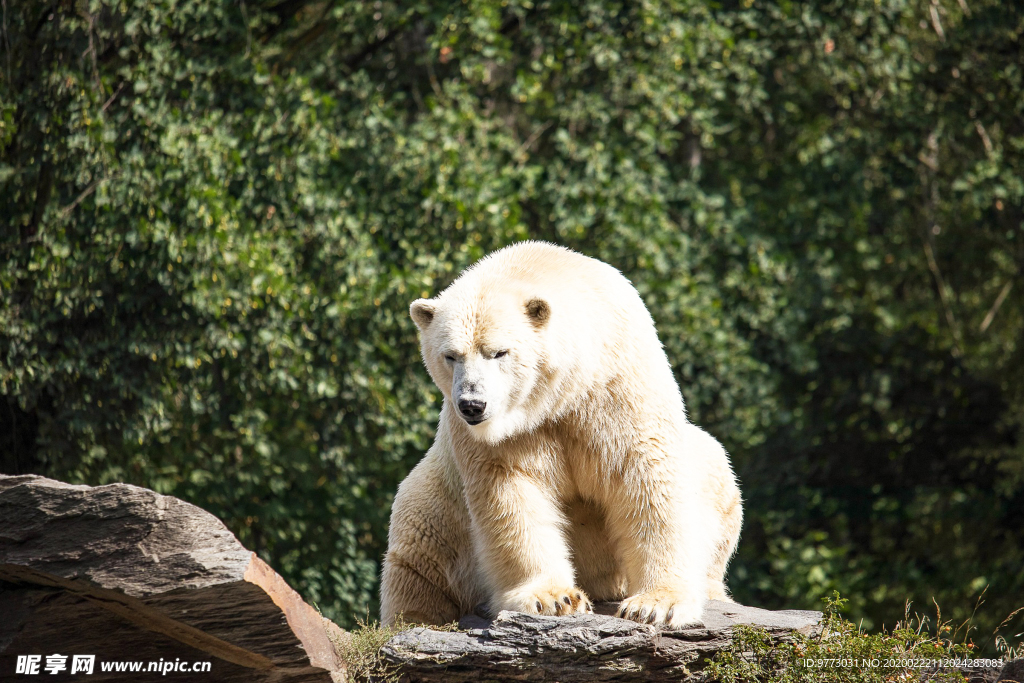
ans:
(582, 648)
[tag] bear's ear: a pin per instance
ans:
(422, 312)
(538, 310)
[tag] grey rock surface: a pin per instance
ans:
(584, 648)
(127, 574)
(1013, 672)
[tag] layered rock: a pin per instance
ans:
(129, 575)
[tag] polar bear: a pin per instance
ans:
(564, 469)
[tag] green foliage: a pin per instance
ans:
(843, 652)
(215, 214)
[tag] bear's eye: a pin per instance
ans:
(501, 354)
(449, 357)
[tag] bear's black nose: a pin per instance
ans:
(472, 410)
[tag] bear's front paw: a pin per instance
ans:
(547, 599)
(662, 607)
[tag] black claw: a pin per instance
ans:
(668, 615)
(558, 608)
(566, 600)
(644, 613)
(579, 596)
(540, 607)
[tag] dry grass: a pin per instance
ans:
(361, 650)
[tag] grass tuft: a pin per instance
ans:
(361, 649)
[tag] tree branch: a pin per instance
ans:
(66, 211)
(944, 296)
(995, 307)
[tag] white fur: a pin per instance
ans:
(584, 480)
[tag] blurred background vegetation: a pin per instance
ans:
(214, 214)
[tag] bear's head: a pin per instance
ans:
(485, 351)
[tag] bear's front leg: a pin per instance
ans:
(521, 549)
(664, 538)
